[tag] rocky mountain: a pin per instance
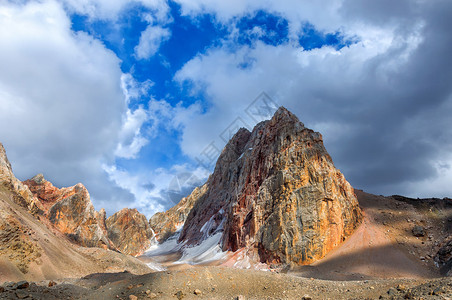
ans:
(274, 194)
(130, 231)
(32, 249)
(167, 223)
(71, 211)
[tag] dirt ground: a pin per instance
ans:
(228, 283)
(381, 260)
(384, 245)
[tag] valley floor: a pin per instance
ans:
(227, 283)
(382, 259)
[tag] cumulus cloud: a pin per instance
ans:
(131, 138)
(61, 100)
(374, 101)
(134, 90)
(160, 189)
(150, 41)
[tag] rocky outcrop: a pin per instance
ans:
(71, 211)
(443, 257)
(165, 224)
(130, 231)
(276, 194)
(22, 194)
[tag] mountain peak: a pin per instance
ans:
(39, 178)
(275, 193)
(283, 115)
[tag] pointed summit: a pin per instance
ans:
(275, 195)
(284, 115)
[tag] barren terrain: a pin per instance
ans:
(382, 259)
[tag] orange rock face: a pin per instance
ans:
(130, 231)
(276, 194)
(70, 211)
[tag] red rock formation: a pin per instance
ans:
(167, 223)
(130, 231)
(70, 210)
(276, 193)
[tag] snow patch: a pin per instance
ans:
(244, 261)
(156, 266)
(209, 250)
(169, 246)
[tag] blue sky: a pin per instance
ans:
(126, 96)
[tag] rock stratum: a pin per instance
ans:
(71, 211)
(130, 231)
(274, 194)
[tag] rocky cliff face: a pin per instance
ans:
(71, 211)
(165, 224)
(276, 194)
(130, 231)
(22, 194)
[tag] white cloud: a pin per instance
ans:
(111, 9)
(151, 189)
(134, 90)
(131, 138)
(323, 13)
(61, 99)
(150, 41)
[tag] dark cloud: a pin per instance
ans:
(383, 104)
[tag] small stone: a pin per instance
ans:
(197, 292)
(130, 286)
(418, 231)
(401, 288)
(21, 285)
(306, 297)
(240, 297)
(52, 283)
(22, 294)
(392, 291)
(148, 292)
(180, 295)
(133, 297)
(408, 295)
(152, 295)
(438, 291)
(2, 289)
